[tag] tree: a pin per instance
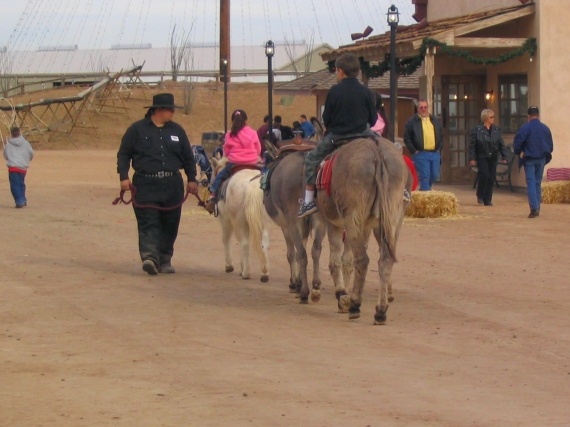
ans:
(305, 66)
(179, 45)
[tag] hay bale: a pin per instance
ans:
(556, 192)
(432, 204)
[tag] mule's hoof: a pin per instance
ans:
(292, 290)
(355, 315)
(380, 316)
(245, 277)
(343, 303)
(264, 278)
(229, 268)
(390, 298)
(303, 300)
(315, 295)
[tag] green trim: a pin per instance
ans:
(407, 66)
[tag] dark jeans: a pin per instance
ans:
(158, 229)
(18, 187)
(487, 170)
(220, 178)
(533, 170)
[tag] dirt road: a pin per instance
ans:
(478, 334)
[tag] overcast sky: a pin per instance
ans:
(98, 24)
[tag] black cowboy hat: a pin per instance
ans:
(163, 100)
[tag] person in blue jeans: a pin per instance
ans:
(423, 137)
(18, 154)
(533, 143)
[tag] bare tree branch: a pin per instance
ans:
(179, 43)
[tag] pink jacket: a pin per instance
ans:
(244, 148)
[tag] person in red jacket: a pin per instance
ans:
(410, 165)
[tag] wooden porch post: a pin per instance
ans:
(429, 72)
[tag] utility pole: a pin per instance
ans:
(225, 38)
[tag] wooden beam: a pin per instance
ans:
(488, 42)
(449, 37)
(494, 20)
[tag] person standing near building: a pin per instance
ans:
(485, 144)
(18, 154)
(307, 127)
(157, 148)
(534, 144)
(423, 137)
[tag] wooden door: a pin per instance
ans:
(463, 99)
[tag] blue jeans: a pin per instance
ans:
(427, 164)
(533, 170)
(220, 178)
(18, 187)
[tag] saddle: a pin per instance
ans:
(233, 170)
(345, 139)
(324, 173)
(282, 152)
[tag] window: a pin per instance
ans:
(513, 102)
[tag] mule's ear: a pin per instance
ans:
(214, 162)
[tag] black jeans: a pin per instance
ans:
(487, 171)
(158, 229)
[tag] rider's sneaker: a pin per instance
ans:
(407, 196)
(307, 209)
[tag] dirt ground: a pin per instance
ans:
(477, 334)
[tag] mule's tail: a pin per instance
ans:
(254, 211)
(388, 204)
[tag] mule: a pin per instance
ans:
(282, 204)
(365, 196)
(241, 213)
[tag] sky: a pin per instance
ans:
(99, 24)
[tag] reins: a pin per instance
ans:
(121, 199)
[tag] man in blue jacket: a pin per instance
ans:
(533, 143)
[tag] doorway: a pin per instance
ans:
(463, 99)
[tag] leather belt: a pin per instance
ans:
(161, 174)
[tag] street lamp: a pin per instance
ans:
(224, 67)
(393, 17)
(269, 52)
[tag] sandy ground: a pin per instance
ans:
(477, 336)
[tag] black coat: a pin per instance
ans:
(483, 144)
(414, 134)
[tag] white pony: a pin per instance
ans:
(241, 212)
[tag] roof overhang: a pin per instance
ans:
(449, 31)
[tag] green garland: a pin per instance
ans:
(407, 66)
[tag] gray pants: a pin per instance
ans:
(323, 149)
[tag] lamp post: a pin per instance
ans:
(269, 52)
(393, 18)
(224, 67)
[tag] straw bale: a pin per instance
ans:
(432, 204)
(556, 192)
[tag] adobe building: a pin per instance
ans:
(498, 54)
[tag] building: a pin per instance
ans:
(58, 65)
(498, 54)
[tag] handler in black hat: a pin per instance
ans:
(158, 148)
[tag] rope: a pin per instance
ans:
(133, 190)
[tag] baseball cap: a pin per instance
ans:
(532, 111)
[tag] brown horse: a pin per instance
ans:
(282, 204)
(366, 195)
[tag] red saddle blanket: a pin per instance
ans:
(324, 173)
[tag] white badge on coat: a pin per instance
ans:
(174, 138)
